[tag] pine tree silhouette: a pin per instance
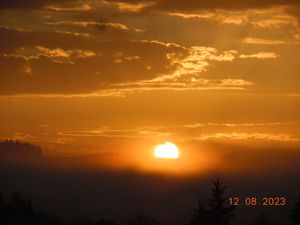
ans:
(220, 214)
(217, 213)
(200, 215)
(295, 214)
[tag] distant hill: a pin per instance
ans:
(17, 150)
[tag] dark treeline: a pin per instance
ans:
(14, 149)
(18, 211)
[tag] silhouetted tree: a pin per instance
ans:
(18, 206)
(295, 214)
(261, 219)
(200, 215)
(220, 214)
(20, 212)
(143, 220)
(216, 213)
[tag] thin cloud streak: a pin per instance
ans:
(244, 136)
(261, 41)
(260, 55)
(81, 8)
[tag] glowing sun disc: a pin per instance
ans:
(167, 150)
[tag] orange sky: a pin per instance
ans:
(90, 76)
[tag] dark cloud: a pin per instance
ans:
(190, 5)
(161, 4)
(31, 4)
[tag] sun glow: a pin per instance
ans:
(167, 150)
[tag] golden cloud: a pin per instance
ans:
(261, 55)
(130, 7)
(81, 8)
(260, 41)
(243, 136)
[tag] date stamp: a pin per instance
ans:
(255, 201)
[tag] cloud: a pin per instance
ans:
(76, 34)
(243, 136)
(102, 93)
(56, 55)
(196, 84)
(159, 4)
(81, 72)
(188, 73)
(274, 23)
(191, 66)
(133, 7)
(118, 65)
(120, 133)
(15, 38)
(261, 55)
(260, 41)
(192, 5)
(21, 30)
(118, 68)
(166, 44)
(274, 17)
(197, 125)
(118, 26)
(30, 4)
(98, 25)
(221, 17)
(81, 8)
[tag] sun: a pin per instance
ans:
(167, 150)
